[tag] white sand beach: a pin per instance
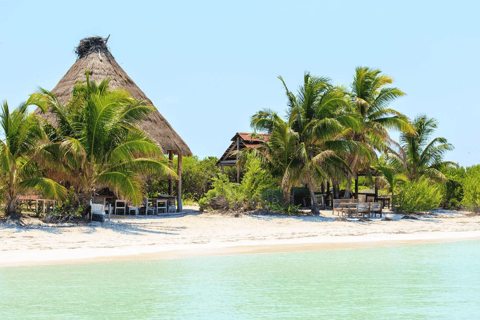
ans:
(203, 234)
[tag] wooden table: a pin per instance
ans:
(385, 200)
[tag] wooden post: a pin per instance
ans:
(328, 189)
(356, 187)
(179, 185)
(170, 180)
(238, 166)
(376, 189)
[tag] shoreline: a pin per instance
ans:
(195, 234)
(29, 258)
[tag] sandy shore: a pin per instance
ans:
(196, 234)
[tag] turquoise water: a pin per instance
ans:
(439, 281)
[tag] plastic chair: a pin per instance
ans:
(161, 204)
(148, 206)
(120, 205)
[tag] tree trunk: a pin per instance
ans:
(286, 196)
(11, 206)
(314, 209)
(353, 167)
(348, 188)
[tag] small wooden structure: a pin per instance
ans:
(364, 173)
(240, 141)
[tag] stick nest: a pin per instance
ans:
(91, 45)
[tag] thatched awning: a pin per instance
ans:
(93, 54)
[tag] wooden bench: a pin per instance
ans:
(339, 204)
(359, 209)
(376, 208)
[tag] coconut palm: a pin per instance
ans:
(19, 170)
(99, 142)
(317, 117)
(370, 99)
(418, 156)
(279, 151)
(393, 176)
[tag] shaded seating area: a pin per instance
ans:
(161, 204)
(102, 65)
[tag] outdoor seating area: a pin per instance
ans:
(162, 204)
(34, 204)
(354, 208)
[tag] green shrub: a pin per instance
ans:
(246, 194)
(452, 194)
(418, 196)
(272, 195)
(471, 189)
(288, 209)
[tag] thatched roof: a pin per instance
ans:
(94, 55)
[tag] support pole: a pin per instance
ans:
(376, 189)
(179, 185)
(238, 166)
(170, 180)
(328, 189)
(356, 187)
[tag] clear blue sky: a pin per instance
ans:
(209, 65)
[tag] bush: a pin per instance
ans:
(418, 196)
(452, 194)
(287, 209)
(272, 195)
(471, 189)
(246, 194)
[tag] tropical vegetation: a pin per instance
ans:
(330, 135)
(20, 158)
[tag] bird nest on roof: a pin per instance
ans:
(92, 45)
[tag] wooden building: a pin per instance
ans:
(240, 141)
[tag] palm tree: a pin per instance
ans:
(391, 175)
(370, 99)
(418, 156)
(99, 141)
(317, 117)
(279, 151)
(19, 170)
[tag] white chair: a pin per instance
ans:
(134, 209)
(161, 205)
(171, 205)
(97, 211)
(120, 205)
(148, 207)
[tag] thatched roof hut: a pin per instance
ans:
(94, 55)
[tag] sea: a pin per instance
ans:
(431, 281)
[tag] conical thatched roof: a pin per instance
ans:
(94, 55)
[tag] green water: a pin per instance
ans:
(437, 281)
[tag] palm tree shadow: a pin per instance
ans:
(125, 227)
(272, 217)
